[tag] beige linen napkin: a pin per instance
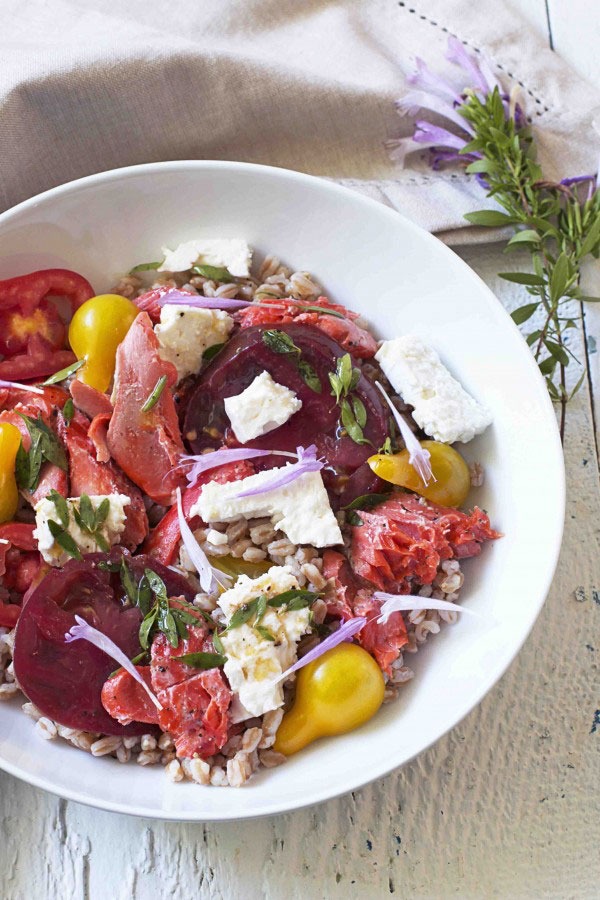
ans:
(309, 84)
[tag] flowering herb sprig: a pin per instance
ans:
(557, 223)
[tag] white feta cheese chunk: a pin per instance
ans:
(233, 254)
(254, 662)
(442, 407)
(300, 509)
(262, 407)
(110, 530)
(185, 332)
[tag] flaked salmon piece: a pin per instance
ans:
(402, 542)
(344, 330)
(167, 671)
(98, 434)
(88, 476)
(89, 400)
(164, 539)
(125, 699)
(149, 302)
(346, 598)
(196, 714)
(146, 445)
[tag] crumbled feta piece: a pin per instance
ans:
(253, 662)
(233, 254)
(442, 407)
(300, 509)
(111, 529)
(185, 332)
(262, 407)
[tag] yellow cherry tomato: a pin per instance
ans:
(334, 694)
(96, 330)
(10, 441)
(451, 473)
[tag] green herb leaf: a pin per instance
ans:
(349, 422)
(155, 395)
(65, 373)
(264, 633)
(215, 273)
(243, 614)
(522, 278)
(146, 627)
(367, 501)
(64, 539)
(61, 506)
(354, 518)
(87, 516)
(218, 643)
(202, 660)
(322, 310)
(386, 447)
(360, 413)
(309, 376)
(211, 352)
(490, 218)
(261, 607)
(523, 313)
(145, 267)
(528, 236)
(68, 411)
(279, 342)
(128, 581)
(44, 445)
(290, 596)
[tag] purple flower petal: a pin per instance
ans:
(412, 102)
(400, 148)
(197, 555)
(206, 461)
(307, 462)
(426, 133)
(391, 603)
(20, 387)
(85, 632)
(427, 80)
(418, 456)
(181, 298)
(345, 632)
(456, 53)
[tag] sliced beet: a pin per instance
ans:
(245, 356)
(64, 680)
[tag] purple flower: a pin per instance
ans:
(436, 95)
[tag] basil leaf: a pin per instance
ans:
(215, 273)
(301, 602)
(64, 373)
(202, 660)
(128, 581)
(102, 512)
(23, 468)
(106, 566)
(101, 541)
(211, 352)
(386, 447)
(87, 517)
(64, 540)
(156, 583)
(264, 633)
(155, 394)
(145, 267)
(309, 376)
(144, 595)
(351, 425)
(261, 607)
(146, 628)
(217, 642)
(68, 411)
(354, 518)
(61, 506)
(336, 386)
(360, 413)
(367, 501)
(286, 597)
(344, 371)
(44, 438)
(243, 614)
(279, 342)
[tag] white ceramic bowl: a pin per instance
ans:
(401, 279)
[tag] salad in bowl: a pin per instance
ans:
(229, 514)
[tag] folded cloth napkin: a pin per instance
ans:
(87, 86)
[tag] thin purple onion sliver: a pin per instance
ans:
(418, 457)
(195, 551)
(307, 462)
(181, 298)
(15, 385)
(344, 633)
(85, 632)
(391, 603)
(203, 462)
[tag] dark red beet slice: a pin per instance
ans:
(206, 424)
(65, 680)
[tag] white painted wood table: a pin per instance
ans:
(506, 805)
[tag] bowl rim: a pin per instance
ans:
(554, 448)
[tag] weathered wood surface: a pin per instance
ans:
(506, 805)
